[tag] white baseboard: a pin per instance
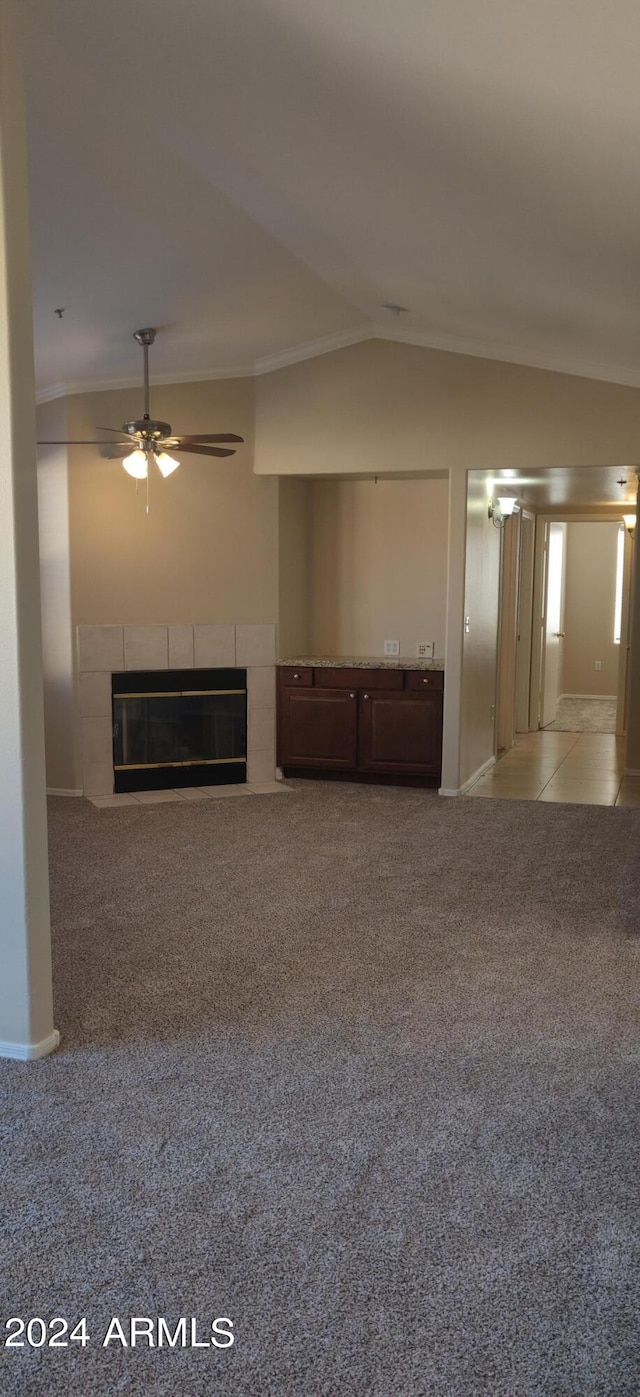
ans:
(462, 790)
(57, 791)
(605, 698)
(28, 1052)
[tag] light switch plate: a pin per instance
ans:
(392, 647)
(425, 649)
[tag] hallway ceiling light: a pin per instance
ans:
(500, 512)
(150, 437)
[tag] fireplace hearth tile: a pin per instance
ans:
(108, 802)
(255, 645)
(100, 647)
(261, 767)
(146, 647)
(94, 694)
(215, 647)
(261, 730)
(97, 777)
(216, 791)
(180, 647)
(261, 686)
(271, 788)
(158, 797)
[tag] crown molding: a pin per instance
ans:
(326, 344)
(106, 385)
(48, 395)
(312, 349)
(509, 354)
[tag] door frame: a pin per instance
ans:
(524, 636)
(560, 524)
(507, 633)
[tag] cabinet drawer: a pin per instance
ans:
(297, 675)
(425, 679)
(359, 678)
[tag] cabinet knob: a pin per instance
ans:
(425, 681)
(351, 695)
(366, 695)
(296, 676)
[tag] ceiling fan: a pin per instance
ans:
(147, 437)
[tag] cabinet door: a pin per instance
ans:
(400, 732)
(318, 727)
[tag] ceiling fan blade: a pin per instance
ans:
(199, 450)
(117, 430)
(210, 437)
(84, 443)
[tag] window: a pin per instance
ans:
(617, 615)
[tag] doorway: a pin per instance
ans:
(583, 626)
(552, 623)
(565, 599)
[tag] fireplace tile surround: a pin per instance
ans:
(103, 650)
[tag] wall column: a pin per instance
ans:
(632, 761)
(26, 1023)
(456, 568)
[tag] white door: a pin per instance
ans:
(553, 631)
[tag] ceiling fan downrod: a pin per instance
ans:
(143, 426)
(145, 338)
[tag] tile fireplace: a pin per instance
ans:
(165, 662)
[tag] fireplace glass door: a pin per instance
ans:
(179, 728)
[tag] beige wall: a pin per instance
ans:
(480, 645)
(208, 549)
(57, 641)
(378, 565)
(589, 607)
(294, 541)
(382, 406)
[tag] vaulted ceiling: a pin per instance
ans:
(257, 175)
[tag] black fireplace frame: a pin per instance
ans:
(171, 775)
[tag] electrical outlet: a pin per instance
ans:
(598, 664)
(392, 647)
(425, 649)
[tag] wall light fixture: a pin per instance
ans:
(502, 510)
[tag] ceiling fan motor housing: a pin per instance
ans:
(147, 427)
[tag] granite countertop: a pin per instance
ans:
(361, 662)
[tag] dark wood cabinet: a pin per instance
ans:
(400, 731)
(318, 727)
(366, 723)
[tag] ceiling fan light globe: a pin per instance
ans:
(166, 464)
(136, 465)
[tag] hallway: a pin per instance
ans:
(566, 767)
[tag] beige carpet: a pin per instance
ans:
(358, 1068)
(584, 715)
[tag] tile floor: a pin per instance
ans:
(190, 793)
(584, 768)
